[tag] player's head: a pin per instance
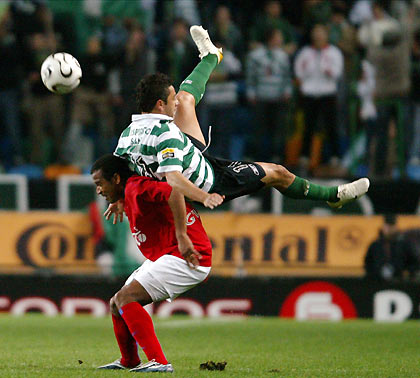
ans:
(110, 174)
(156, 94)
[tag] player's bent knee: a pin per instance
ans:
(185, 98)
(132, 292)
(282, 173)
(276, 175)
(113, 307)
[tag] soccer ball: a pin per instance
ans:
(61, 73)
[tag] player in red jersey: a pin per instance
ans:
(177, 249)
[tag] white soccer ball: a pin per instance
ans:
(61, 73)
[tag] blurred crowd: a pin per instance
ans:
(328, 88)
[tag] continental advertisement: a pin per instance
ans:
(46, 240)
(295, 245)
(242, 244)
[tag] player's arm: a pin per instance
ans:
(176, 202)
(189, 190)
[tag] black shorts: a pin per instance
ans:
(233, 178)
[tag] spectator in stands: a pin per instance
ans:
(91, 101)
(269, 89)
(368, 114)
(391, 255)
(272, 19)
(415, 99)
(343, 35)
(113, 35)
(44, 109)
(220, 103)
(360, 12)
(318, 68)
(226, 31)
(170, 11)
(177, 55)
(31, 17)
(316, 12)
(137, 60)
(387, 48)
(32, 23)
(10, 82)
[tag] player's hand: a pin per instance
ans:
(213, 200)
(187, 250)
(116, 208)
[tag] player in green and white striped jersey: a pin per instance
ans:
(155, 145)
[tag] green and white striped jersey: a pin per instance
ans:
(153, 144)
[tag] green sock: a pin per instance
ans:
(303, 189)
(196, 81)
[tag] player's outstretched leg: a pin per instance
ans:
(193, 87)
(296, 187)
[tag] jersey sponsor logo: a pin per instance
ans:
(135, 141)
(168, 153)
(191, 217)
(141, 131)
(138, 236)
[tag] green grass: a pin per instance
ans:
(37, 346)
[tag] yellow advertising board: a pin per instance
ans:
(293, 245)
(243, 244)
(37, 240)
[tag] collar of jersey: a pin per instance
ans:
(137, 117)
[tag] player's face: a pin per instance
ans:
(171, 103)
(108, 189)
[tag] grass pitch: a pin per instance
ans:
(37, 346)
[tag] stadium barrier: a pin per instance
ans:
(332, 299)
(14, 192)
(243, 244)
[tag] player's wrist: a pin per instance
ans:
(181, 234)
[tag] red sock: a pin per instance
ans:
(126, 342)
(140, 324)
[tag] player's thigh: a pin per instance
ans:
(169, 277)
(186, 117)
(276, 174)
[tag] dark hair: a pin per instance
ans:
(109, 165)
(150, 89)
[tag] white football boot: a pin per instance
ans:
(204, 44)
(116, 365)
(349, 192)
(153, 367)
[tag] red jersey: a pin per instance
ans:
(152, 224)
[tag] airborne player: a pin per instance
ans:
(165, 141)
